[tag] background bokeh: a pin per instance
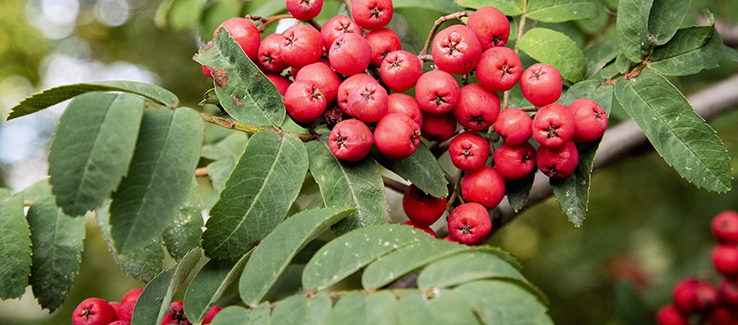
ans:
(646, 228)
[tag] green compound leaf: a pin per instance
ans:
(53, 96)
(508, 7)
(503, 303)
(298, 310)
(591, 89)
(599, 55)
(348, 185)
(155, 301)
(555, 49)
(679, 135)
(142, 264)
(184, 234)
(358, 308)
(665, 18)
(56, 240)
(276, 251)
(15, 246)
(257, 196)
(421, 169)
(346, 254)
(443, 6)
(572, 192)
(158, 181)
(232, 315)
(209, 284)
(691, 50)
(518, 190)
(467, 267)
(556, 11)
(244, 91)
(446, 307)
(92, 149)
(632, 27)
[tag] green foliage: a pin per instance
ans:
(665, 18)
(244, 91)
(438, 5)
(209, 285)
(679, 135)
(508, 7)
(632, 26)
(154, 302)
(92, 149)
(556, 49)
(421, 169)
(554, 11)
(183, 234)
(158, 181)
(517, 191)
(276, 251)
(56, 239)
(348, 185)
(53, 96)
(692, 50)
(257, 196)
(15, 246)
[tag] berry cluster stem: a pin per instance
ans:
(231, 124)
(423, 56)
(455, 193)
(268, 20)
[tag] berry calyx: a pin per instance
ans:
(304, 9)
(541, 84)
(350, 140)
(499, 69)
(553, 126)
(456, 50)
(477, 107)
(469, 224)
(485, 186)
(397, 136)
(514, 126)
(301, 45)
(400, 70)
(490, 27)
(590, 120)
(93, 311)
(350, 54)
(469, 151)
(437, 92)
(304, 101)
(382, 42)
(515, 162)
(176, 315)
(372, 14)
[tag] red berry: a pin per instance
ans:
(350, 140)
(426, 229)
(705, 296)
(211, 314)
(176, 315)
(670, 316)
(469, 151)
(485, 186)
(397, 136)
(490, 26)
(515, 162)
(337, 26)
(477, 107)
(456, 50)
(514, 126)
(499, 69)
(725, 227)
(372, 14)
(590, 120)
(321, 75)
(350, 54)
(438, 127)
(400, 70)
(270, 55)
(469, 224)
(301, 45)
(450, 239)
(725, 259)
(559, 162)
(304, 9)
(421, 208)
(437, 92)
(115, 305)
(93, 311)
(126, 311)
(721, 316)
(206, 71)
(684, 296)
(131, 295)
(362, 97)
(304, 101)
(120, 322)
(541, 84)
(728, 291)
(553, 125)
(405, 104)
(281, 82)
(382, 41)
(245, 33)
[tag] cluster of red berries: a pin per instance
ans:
(329, 67)
(96, 311)
(715, 306)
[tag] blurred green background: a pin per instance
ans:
(646, 228)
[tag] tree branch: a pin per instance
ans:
(625, 140)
